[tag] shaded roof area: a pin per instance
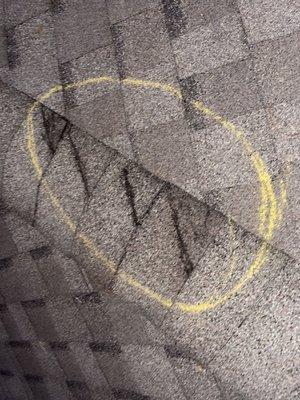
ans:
(145, 251)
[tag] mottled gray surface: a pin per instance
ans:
(165, 193)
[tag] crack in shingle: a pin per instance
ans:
(80, 165)
(184, 254)
(130, 196)
(141, 220)
(51, 134)
(11, 47)
(52, 145)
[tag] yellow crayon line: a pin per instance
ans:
(267, 211)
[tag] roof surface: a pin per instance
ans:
(149, 224)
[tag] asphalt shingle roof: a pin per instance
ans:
(142, 256)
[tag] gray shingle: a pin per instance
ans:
(104, 116)
(149, 107)
(285, 119)
(13, 107)
(62, 275)
(17, 323)
(82, 330)
(81, 28)
(40, 319)
(24, 235)
(7, 245)
(268, 20)
(107, 219)
(262, 331)
(67, 320)
(123, 143)
(223, 161)
(196, 381)
(90, 371)
(79, 389)
(210, 46)
(230, 90)
(189, 15)
(16, 173)
(100, 62)
(141, 190)
(3, 42)
(33, 53)
(207, 332)
(66, 182)
(37, 386)
(13, 285)
(277, 68)
(94, 158)
(153, 258)
(119, 10)
(145, 45)
(16, 12)
(287, 235)
(15, 387)
(167, 151)
(94, 314)
(152, 373)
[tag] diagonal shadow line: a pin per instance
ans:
(164, 181)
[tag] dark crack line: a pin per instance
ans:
(12, 53)
(136, 227)
(144, 169)
(116, 152)
(180, 289)
(137, 222)
(184, 255)
(153, 201)
(187, 277)
(130, 197)
(80, 165)
(88, 199)
(50, 129)
(66, 129)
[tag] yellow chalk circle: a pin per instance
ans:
(267, 210)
